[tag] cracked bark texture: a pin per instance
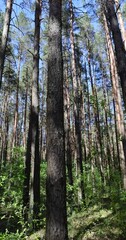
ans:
(56, 225)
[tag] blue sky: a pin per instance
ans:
(17, 9)
(78, 3)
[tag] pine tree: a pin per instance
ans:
(32, 167)
(56, 223)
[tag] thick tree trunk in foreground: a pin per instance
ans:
(5, 32)
(56, 224)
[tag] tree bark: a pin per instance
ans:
(5, 130)
(121, 23)
(89, 132)
(5, 33)
(56, 222)
(118, 104)
(13, 142)
(78, 142)
(67, 125)
(118, 42)
(97, 122)
(32, 168)
(25, 111)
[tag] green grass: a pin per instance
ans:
(97, 223)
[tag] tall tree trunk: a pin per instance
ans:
(4, 130)
(89, 133)
(56, 224)
(32, 168)
(119, 46)
(25, 111)
(13, 142)
(108, 143)
(118, 104)
(121, 23)
(117, 164)
(67, 124)
(97, 122)
(81, 194)
(89, 115)
(42, 118)
(5, 32)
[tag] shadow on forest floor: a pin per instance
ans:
(98, 224)
(93, 223)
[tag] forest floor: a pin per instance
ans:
(98, 222)
(95, 223)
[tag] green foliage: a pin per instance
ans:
(12, 176)
(103, 216)
(93, 99)
(11, 236)
(124, 11)
(11, 184)
(11, 187)
(104, 207)
(10, 76)
(43, 168)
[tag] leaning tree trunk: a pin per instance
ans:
(118, 104)
(121, 23)
(118, 42)
(32, 168)
(56, 223)
(5, 32)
